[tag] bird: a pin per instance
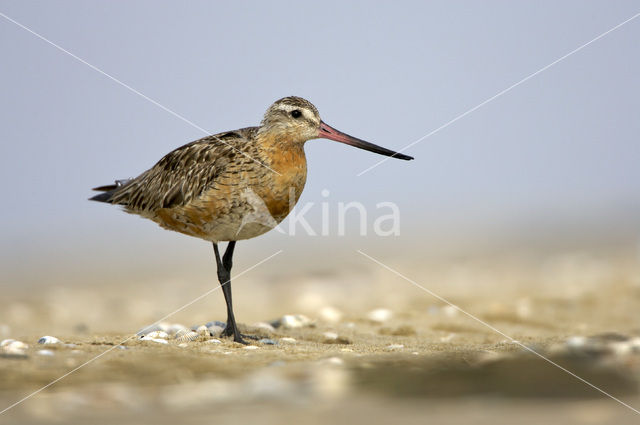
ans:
(233, 185)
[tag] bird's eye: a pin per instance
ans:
(296, 113)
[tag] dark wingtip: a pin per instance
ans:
(108, 190)
(105, 188)
(102, 197)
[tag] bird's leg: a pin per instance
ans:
(224, 277)
(227, 263)
(227, 258)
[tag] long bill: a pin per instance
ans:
(328, 132)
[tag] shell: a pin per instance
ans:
(334, 338)
(156, 334)
(181, 332)
(49, 340)
(157, 340)
(162, 326)
(13, 348)
(187, 336)
(264, 326)
(291, 321)
(215, 330)
(330, 335)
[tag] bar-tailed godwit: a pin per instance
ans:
(234, 185)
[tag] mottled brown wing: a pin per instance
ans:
(183, 174)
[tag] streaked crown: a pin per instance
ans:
(292, 117)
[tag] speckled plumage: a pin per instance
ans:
(229, 186)
(233, 185)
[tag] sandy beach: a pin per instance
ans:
(363, 346)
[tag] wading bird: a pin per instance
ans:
(234, 185)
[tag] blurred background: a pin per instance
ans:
(553, 161)
(536, 191)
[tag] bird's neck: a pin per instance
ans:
(288, 174)
(282, 154)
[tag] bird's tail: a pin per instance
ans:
(108, 191)
(103, 197)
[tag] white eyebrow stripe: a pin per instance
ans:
(308, 114)
(287, 107)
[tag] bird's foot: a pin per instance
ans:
(229, 331)
(238, 338)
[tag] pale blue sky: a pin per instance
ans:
(562, 146)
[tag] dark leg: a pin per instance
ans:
(224, 276)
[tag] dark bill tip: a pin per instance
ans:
(328, 132)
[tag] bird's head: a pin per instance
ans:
(295, 120)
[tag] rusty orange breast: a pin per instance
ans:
(286, 181)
